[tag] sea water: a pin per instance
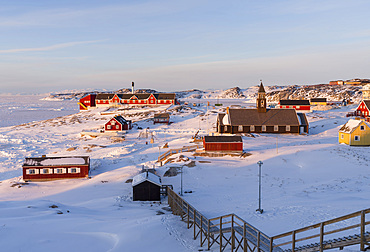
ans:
(20, 109)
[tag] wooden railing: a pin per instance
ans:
(170, 152)
(234, 231)
(224, 230)
(322, 235)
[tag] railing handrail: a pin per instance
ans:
(174, 151)
(328, 222)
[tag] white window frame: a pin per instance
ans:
(297, 107)
(109, 127)
(49, 171)
(240, 128)
(362, 127)
(63, 170)
(341, 136)
(71, 170)
(36, 171)
(252, 128)
(263, 127)
(225, 128)
(117, 126)
(276, 127)
(287, 128)
(358, 138)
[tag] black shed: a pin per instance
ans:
(146, 187)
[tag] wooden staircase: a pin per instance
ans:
(232, 231)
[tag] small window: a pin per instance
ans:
(46, 171)
(252, 128)
(240, 128)
(32, 171)
(225, 128)
(362, 127)
(297, 107)
(276, 127)
(341, 136)
(357, 138)
(287, 128)
(74, 170)
(59, 171)
(263, 127)
(117, 126)
(109, 127)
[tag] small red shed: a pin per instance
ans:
(223, 143)
(87, 102)
(53, 168)
(117, 123)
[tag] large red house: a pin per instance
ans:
(223, 143)
(87, 101)
(52, 168)
(118, 123)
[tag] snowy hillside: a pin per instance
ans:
(305, 180)
(274, 93)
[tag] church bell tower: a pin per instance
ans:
(261, 99)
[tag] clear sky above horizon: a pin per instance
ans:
(171, 45)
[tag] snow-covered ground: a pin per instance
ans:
(307, 179)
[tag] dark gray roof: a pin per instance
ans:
(367, 103)
(57, 161)
(271, 117)
(303, 119)
(295, 102)
(318, 99)
(104, 96)
(121, 120)
(223, 139)
(162, 115)
(165, 96)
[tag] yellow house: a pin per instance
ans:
(355, 132)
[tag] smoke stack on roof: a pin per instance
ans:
(133, 87)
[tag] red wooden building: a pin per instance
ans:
(363, 109)
(223, 143)
(299, 105)
(118, 123)
(52, 168)
(87, 102)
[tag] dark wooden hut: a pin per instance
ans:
(146, 187)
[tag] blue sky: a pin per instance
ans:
(170, 45)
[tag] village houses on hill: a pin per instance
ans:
(261, 119)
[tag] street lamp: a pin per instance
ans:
(260, 163)
(181, 181)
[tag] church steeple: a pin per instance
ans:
(261, 99)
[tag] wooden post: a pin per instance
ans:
(232, 234)
(208, 235)
(188, 215)
(258, 241)
(221, 234)
(271, 244)
(322, 237)
(201, 230)
(245, 244)
(362, 245)
(293, 240)
(194, 222)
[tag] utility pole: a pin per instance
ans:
(260, 163)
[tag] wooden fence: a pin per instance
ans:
(164, 157)
(227, 230)
(230, 230)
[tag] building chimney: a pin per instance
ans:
(132, 87)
